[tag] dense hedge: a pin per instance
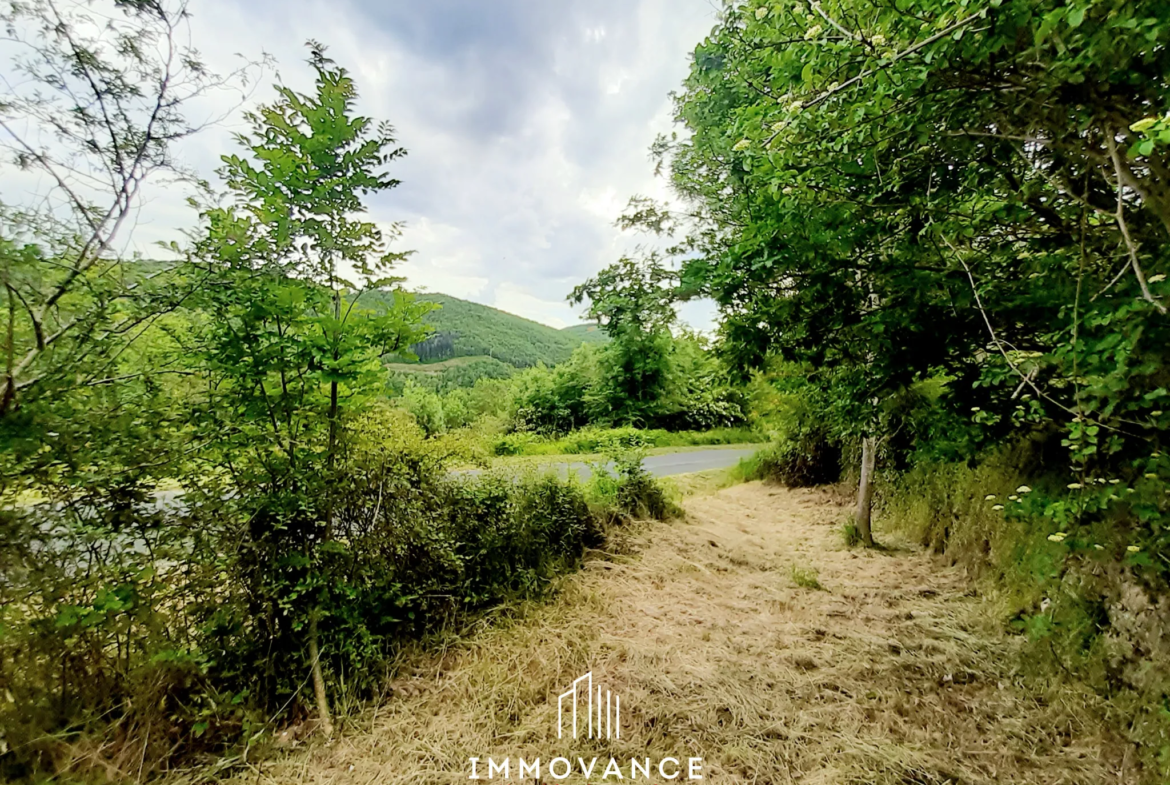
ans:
(133, 615)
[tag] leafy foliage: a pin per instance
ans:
(952, 218)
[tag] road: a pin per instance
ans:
(663, 465)
(657, 465)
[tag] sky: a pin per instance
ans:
(528, 124)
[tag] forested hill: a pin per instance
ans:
(467, 329)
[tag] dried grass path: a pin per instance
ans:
(889, 673)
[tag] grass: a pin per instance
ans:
(850, 534)
(806, 578)
(541, 459)
(897, 678)
(591, 441)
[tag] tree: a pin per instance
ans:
(94, 115)
(288, 346)
(896, 193)
(632, 302)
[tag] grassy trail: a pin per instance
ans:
(750, 636)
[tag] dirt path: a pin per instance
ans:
(889, 673)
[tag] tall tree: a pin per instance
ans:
(899, 191)
(94, 112)
(632, 301)
(289, 346)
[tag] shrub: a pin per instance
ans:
(813, 460)
(514, 443)
(621, 485)
(195, 635)
(806, 578)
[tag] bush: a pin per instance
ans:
(621, 486)
(514, 443)
(200, 634)
(813, 460)
(1071, 588)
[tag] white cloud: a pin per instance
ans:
(527, 125)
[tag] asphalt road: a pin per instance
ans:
(665, 465)
(657, 465)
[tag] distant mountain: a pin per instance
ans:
(490, 342)
(466, 329)
(588, 333)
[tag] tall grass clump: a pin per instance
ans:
(811, 459)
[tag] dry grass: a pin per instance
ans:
(892, 674)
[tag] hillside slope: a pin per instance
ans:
(467, 329)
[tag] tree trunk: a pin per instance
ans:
(865, 490)
(319, 679)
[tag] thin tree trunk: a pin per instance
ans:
(330, 458)
(319, 678)
(10, 364)
(865, 490)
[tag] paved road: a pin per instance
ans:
(664, 465)
(657, 465)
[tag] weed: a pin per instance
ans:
(850, 534)
(806, 578)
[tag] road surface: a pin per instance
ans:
(660, 465)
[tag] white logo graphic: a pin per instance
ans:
(604, 719)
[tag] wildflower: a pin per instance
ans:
(795, 106)
(989, 497)
(1072, 486)
(1132, 549)
(997, 507)
(812, 32)
(1023, 489)
(878, 40)
(1058, 537)
(786, 190)
(1013, 498)
(1114, 482)
(742, 144)
(1143, 125)
(761, 12)
(780, 126)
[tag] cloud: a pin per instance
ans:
(527, 125)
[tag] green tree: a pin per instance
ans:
(894, 193)
(288, 347)
(90, 119)
(632, 301)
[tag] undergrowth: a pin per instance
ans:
(150, 637)
(588, 441)
(1074, 592)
